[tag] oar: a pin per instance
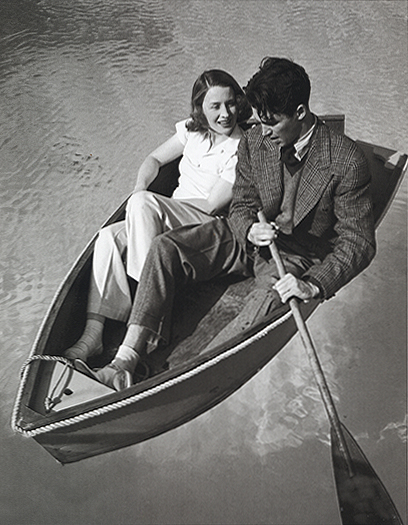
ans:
(362, 497)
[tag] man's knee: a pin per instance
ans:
(163, 248)
(170, 255)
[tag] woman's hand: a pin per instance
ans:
(290, 286)
(262, 233)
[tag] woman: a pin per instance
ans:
(208, 143)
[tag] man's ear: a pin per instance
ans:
(301, 111)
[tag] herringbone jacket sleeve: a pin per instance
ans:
(353, 245)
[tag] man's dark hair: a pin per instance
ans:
(279, 87)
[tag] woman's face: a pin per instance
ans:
(220, 109)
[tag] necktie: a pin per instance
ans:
(288, 156)
(291, 162)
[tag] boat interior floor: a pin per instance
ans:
(207, 315)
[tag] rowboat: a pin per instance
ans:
(74, 417)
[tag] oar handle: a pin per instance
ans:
(312, 354)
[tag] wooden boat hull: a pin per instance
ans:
(152, 408)
(93, 422)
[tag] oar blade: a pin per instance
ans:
(363, 499)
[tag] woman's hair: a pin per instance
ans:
(279, 87)
(207, 80)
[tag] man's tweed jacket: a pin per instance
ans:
(333, 211)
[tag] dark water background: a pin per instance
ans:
(87, 89)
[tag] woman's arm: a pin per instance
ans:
(219, 198)
(166, 152)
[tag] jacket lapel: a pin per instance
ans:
(272, 184)
(316, 174)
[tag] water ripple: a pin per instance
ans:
(88, 88)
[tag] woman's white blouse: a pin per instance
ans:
(202, 165)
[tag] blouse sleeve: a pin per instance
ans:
(182, 131)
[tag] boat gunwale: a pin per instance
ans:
(142, 390)
(401, 167)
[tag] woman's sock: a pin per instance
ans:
(90, 342)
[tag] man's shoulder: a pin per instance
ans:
(341, 146)
(254, 139)
(254, 133)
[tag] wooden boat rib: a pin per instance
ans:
(74, 417)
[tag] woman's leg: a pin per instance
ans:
(177, 258)
(148, 215)
(109, 292)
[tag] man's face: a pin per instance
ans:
(282, 129)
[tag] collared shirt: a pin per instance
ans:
(302, 144)
(203, 164)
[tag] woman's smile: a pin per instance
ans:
(220, 109)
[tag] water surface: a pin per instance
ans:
(87, 89)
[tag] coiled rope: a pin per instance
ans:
(44, 357)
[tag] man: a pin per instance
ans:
(313, 187)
